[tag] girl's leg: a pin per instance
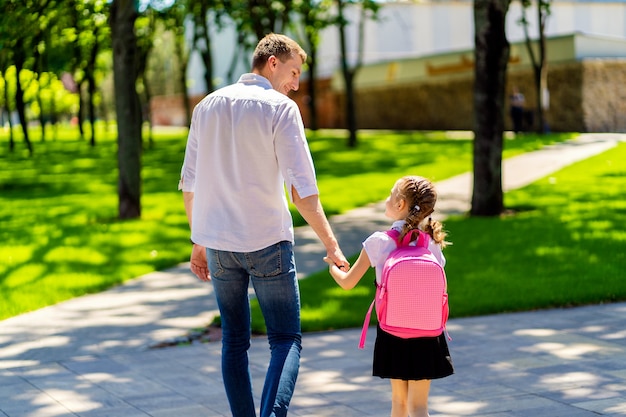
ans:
(417, 398)
(399, 395)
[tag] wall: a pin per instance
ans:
(585, 96)
(604, 95)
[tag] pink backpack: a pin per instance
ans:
(412, 299)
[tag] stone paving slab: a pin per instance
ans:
(562, 362)
(90, 356)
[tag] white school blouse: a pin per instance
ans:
(379, 245)
(246, 144)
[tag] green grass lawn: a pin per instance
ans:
(60, 236)
(563, 244)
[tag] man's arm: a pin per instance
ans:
(198, 259)
(313, 213)
(188, 200)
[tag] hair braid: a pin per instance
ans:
(421, 196)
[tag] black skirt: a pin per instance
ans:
(411, 359)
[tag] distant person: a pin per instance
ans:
(246, 145)
(517, 102)
(411, 363)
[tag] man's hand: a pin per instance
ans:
(338, 260)
(199, 264)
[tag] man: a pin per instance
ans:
(246, 145)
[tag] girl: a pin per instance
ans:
(410, 364)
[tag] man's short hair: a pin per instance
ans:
(281, 46)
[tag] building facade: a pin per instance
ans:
(421, 54)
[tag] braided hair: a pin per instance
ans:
(420, 196)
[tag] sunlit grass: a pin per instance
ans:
(563, 244)
(60, 235)
(61, 238)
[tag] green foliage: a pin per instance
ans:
(54, 97)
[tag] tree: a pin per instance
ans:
(7, 100)
(127, 106)
(368, 8)
(202, 42)
(259, 17)
(315, 17)
(145, 29)
(492, 51)
(40, 66)
(173, 19)
(19, 59)
(539, 64)
(21, 26)
(88, 35)
(253, 20)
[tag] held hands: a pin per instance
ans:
(337, 259)
(336, 270)
(330, 262)
(347, 277)
(199, 265)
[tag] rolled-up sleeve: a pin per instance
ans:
(293, 153)
(188, 172)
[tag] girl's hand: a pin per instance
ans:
(348, 277)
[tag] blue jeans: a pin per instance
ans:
(273, 274)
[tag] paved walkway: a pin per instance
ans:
(89, 356)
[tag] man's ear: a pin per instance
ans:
(271, 62)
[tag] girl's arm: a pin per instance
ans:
(347, 280)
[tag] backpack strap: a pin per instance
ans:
(422, 239)
(394, 234)
(366, 324)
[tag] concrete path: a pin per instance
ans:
(90, 356)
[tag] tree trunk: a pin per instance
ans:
(20, 106)
(312, 86)
(80, 116)
(179, 48)
(539, 64)
(350, 109)
(202, 33)
(491, 55)
(542, 71)
(348, 77)
(8, 111)
(146, 112)
(54, 118)
(42, 117)
(127, 106)
(91, 86)
(38, 69)
(311, 34)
